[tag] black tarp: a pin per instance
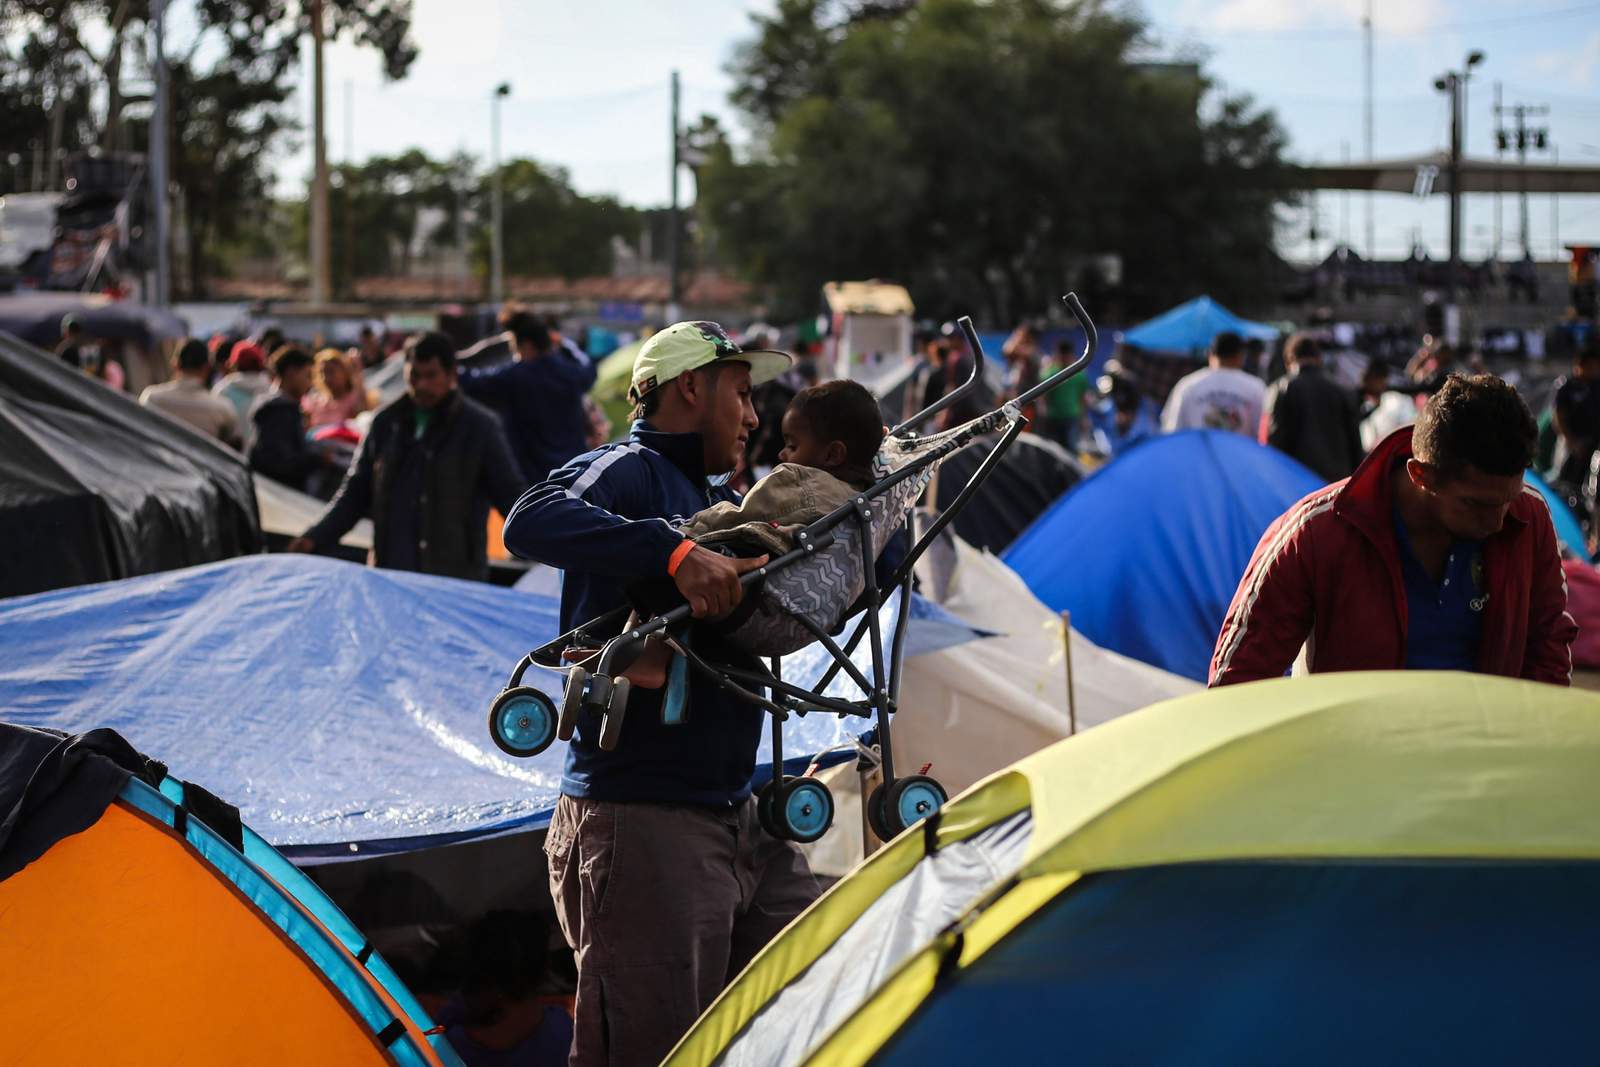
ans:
(36, 317)
(1032, 475)
(54, 785)
(94, 487)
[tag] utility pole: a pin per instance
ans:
(497, 246)
(1555, 210)
(321, 273)
(1499, 152)
(1524, 137)
(673, 250)
(1344, 199)
(160, 295)
(1366, 26)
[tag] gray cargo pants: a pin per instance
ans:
(663, 905)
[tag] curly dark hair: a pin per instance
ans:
(846, 412)
(1477, 421)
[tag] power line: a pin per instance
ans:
(1351, 33)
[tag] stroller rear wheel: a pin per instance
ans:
(522, 721)
(764, 801)
(801, 809)
(572, 703)
(616, 707)
(902, 803)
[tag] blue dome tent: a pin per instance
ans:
(1190, 327)
(1569, 531)
(1146, 553)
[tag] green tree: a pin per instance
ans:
(231, 73)
(981, 153)
(550, 228)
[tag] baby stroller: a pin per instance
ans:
(798, 598)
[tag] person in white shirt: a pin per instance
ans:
(1220, 396)
(187, 399)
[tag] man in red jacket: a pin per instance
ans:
(1431, 556)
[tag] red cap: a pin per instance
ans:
(247, 356)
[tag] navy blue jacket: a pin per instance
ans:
(607, 520)
(540, 403)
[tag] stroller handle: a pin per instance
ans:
(1091, 340)
(971, 334)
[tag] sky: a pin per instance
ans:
(590, 92)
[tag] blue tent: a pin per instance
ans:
(1147, 551)
(343, 709)
(1190, 327)
(1568, 529)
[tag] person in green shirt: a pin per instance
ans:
(1062, 408)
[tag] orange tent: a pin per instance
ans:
(163, 931)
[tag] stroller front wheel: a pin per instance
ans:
(611, 720)
(802, 810)
(572, 703)
(522, 721)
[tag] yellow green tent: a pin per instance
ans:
(1394, 867)
(614, 373)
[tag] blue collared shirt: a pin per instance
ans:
(1444, 618)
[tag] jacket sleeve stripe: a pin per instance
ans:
(1309, 510)
(1566, 613)
(593, 472)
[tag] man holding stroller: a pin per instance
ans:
(664, 882)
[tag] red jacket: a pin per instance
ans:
(1329, 570)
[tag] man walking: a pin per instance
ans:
(664, 882)
(1433, 556)
(187, 399)
(1221, 395)
(280, 449)
(539, 396)
(1310, 416)
(426, 473)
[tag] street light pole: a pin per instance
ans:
(674, 252)
(1455, 83)
(1454, 278)
(497, 253)
(159, 141)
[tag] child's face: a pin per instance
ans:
(800, 444)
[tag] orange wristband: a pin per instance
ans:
(676, 559)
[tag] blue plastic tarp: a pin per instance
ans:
(342, 708)
(1146, 552)
(1191, 326)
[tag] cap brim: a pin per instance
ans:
(765, 364)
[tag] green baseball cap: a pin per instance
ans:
(685, 346)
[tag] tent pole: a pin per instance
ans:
(1066, 649)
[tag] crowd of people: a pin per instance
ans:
(1291, 396)
(425, 467)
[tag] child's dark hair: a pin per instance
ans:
(843, 411)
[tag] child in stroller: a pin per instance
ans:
(831, 435)
(793, 600)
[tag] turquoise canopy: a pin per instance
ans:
(1192, 326)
